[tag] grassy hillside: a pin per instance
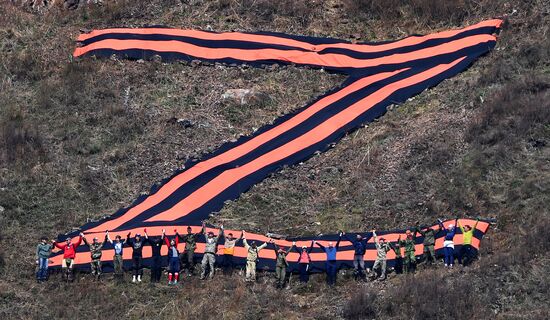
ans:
(80, 139)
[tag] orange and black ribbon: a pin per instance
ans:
(380, 74)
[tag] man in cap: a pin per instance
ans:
(251, 257)
(360, 247)
(382, 248)
(210, 249)
(69, 254)
(136, 244)
(330, 265)
(95, 253)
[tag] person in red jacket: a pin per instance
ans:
(69, 253)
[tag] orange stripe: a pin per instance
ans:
(239, 151)
(292, 56)
(267, 39)
(229, 177)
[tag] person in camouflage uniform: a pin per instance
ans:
(382, 249)
(409, 261)
(187, 257)
(281, 263)
(95, 253)
(210, 249)
(252, 257)
(429, 242)
(398, 262)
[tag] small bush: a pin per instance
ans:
(21, 140)
(362, 305)
(423, 11)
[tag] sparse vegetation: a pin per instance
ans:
(79, 139)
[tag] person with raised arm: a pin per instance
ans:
(43, 252)
(448, 243)
(467, 252)
(331, 267)
(382, 248)
(398, 262)
(187, 258)
(210, 249)
(173, 259)
(252, 254)
(228, 252)
(409, 261)
(156, 246)
(136, 243)
(360, 247)
(95, 253)
(69, 254)
(428, 242)
(118, 260)
(281, 263)
(303, 262)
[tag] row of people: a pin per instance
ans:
(405, 260)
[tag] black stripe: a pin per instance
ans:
(213, 44)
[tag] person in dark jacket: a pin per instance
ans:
(360, 247)
(136, 244)
(156, 246)
(448, 243)
(43, 251)
(398, 262)
(303, 261)
(281, 264)
(330, 266)
(173, 259)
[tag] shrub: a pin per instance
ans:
(362, 305)
(21, 140)
(423, 11)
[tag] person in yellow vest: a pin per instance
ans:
(467, 252)
(252, 257)
(228, 252)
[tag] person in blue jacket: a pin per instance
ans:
(330, 265)
(360, 247)
(448, 243)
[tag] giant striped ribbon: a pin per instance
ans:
(380, 74)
